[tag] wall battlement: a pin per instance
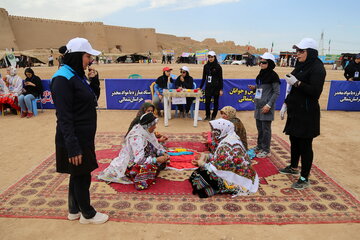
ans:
(52, 33)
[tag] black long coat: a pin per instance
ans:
(215, 71)
(75, 104)
(350, 70)
(303, 109)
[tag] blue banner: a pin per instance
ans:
(131, 93)
(344, 95)
(46, 98)
(127, 93)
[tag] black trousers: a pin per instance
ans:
(209, 94)
(302, 148)
(79, 195)
(189, 101)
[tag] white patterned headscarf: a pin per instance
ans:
(221, 128)
(13, 71)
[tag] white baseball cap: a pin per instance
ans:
(81, 45)
(211, 53)
(268, 56)
(185, 68)
(306, 43)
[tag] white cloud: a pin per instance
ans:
(74, 10)
(87, 10)
(186, 4)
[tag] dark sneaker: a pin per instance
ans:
(207, 119)
(302, 183)
(289, 170)
(212, 118)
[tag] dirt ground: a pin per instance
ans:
(25, 143)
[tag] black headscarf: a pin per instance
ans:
(29, 70)
(268, 75)
(312, 56)
(141, 112)
(213, 64)
(162, 80)
(147, 118)
(74, 60)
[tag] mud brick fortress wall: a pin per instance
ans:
(26, 33)
(23, 33)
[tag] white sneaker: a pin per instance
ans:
(74, 216)
(99, 218)
(263, 154)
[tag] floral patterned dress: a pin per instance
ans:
(143, 173)
(228, 170)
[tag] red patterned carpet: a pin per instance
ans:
(43, 193)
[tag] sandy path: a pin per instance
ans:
(25, 143)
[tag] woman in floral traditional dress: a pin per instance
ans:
(228, 169)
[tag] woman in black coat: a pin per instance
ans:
(32, 88)
(303, 109)
(352, 70)
(212, 74)
(76, 101)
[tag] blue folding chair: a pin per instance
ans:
(34, 106)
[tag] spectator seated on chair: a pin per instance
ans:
(146, 108)
(32, 89)
(12, 88)
(185, 81)
(163, 82)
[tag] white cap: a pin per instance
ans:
(80, 45)
(211, 53)
(185, 68)
(268, 56)
(306, 43)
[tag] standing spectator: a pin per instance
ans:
(51, 61)
(163, 82)
(267, 91)
(302, 105)
(62, 51)
(94, 81)
(75, 101)
(212, 75)
(169, 59)
(32, 89)
(163, 59)
(352, 70)
(187, 82)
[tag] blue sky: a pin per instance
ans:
(260, 22)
